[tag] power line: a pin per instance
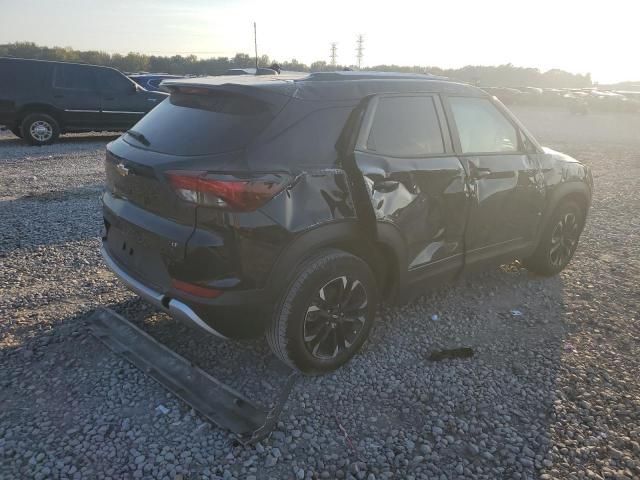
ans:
(360, 49)
(333, 56)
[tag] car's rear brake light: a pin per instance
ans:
(228, 192)
(195, 290)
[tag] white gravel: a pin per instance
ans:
(553, 393)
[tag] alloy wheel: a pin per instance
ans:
(41, 131)
(335, 317)
(564, 239)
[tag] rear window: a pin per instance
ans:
(20, 75)
(195, 124)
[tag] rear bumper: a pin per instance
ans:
(177, 309)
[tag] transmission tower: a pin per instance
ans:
(334, 55)
(359, 50)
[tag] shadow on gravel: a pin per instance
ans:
(491, 413)
(85, 192)
(50, 218)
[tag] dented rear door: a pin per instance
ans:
(415, 183)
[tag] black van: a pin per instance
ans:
(39, 99)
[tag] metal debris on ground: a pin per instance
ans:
(218, 402)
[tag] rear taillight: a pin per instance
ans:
(226, 191)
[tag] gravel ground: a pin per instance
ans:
(551, 393)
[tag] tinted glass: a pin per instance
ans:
(113, 81)
(21, 75)
(481, 126)
(405, 126)
(190, 124)
(74, 77)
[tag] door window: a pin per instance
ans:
(405, 127)
(482, 127)
(113, 81)
(74, 77)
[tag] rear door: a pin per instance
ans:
(75, 94)
(505, 182)
(122, 104)
(415, 181)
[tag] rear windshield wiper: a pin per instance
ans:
(139, 136)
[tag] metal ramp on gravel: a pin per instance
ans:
(219, 403)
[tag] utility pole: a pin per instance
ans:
(359, 50)
(255, 41)
(334, 48)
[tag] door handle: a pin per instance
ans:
(386, 186)
(108, 98)
(59, 95)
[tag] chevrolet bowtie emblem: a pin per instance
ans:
(122, 170)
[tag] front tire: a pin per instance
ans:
(40, 129)
(326, 313)
(559, 240)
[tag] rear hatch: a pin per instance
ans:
(148, 220)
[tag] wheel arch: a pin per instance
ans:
(30, 108)
(383, 255)
(576, 191)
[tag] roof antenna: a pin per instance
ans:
(255, 41)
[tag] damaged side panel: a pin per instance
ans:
(315, 197)
(425, 199)
(231, 250)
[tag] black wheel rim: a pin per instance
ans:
(564, 239)
(335, 318)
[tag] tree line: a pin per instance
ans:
(502, 75)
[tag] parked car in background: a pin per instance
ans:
(251, 71)
(505, 94)
(39, 99)
(305, 202)
(151, 81)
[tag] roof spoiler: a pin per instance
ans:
(276, 97)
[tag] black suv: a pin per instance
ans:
(303, 202)
(39, 100)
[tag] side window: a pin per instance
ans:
(114, 82)
(74, 77)
(482, 127)
(405, 127)
(22, 75)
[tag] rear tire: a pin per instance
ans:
(40, 129)
(326, 313)
(16, 131)
(559, 240)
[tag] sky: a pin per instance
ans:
(572, 35)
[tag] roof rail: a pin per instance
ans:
(370, 75)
